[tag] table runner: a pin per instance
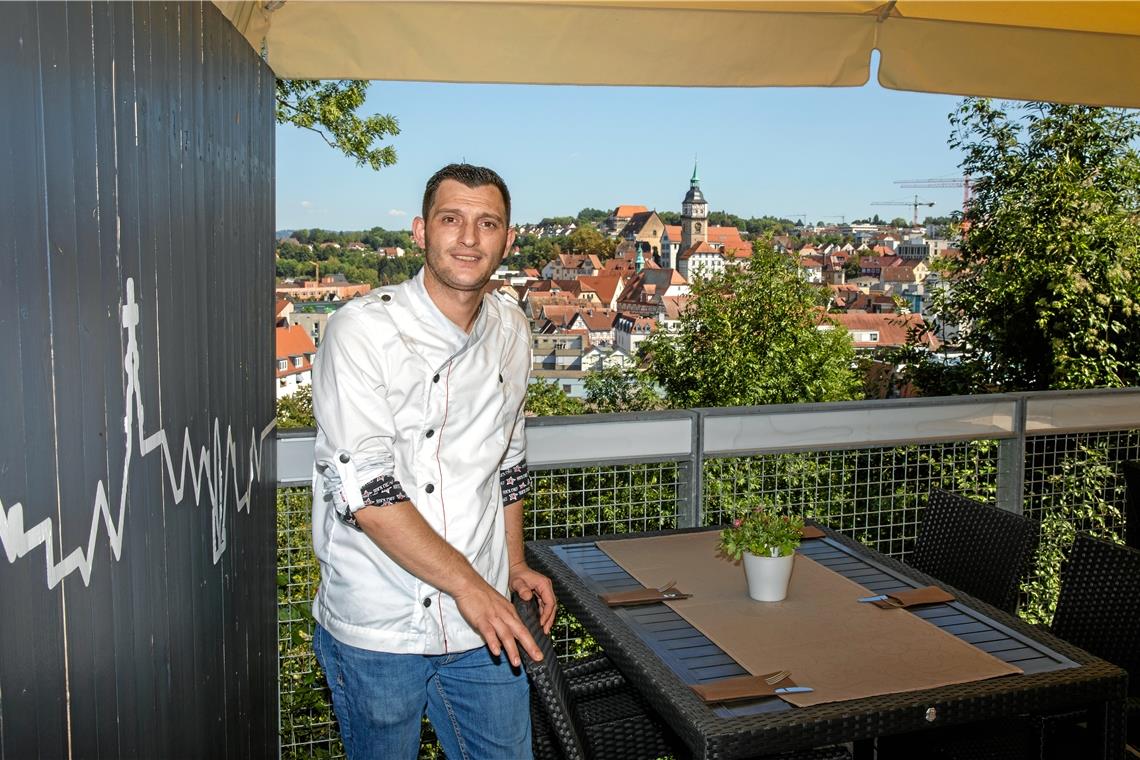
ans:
(828, 640)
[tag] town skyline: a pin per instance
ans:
(825, 154)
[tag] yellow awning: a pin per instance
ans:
(1066, 51)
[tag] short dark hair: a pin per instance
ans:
(470, 176)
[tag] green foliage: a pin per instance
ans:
(1081, 494)
(556, 221)
(308, 725)
(620, 390)
(762, 531)
(1047, 282)
(396, 270)
(755, 226)
(749, 337)
(546, 399)
(592, 216)
(296, 409)
(588, 240)
(329, 108)
(534, 251)
(368, 266)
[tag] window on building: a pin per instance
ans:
(282, 364)
(873, 337)
(298, 361)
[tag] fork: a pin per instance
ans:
(774, 678)
(666, 586)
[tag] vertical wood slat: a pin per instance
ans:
(141, 148)
(38, 717)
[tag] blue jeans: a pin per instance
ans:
(479, 706)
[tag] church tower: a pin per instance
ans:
(694, 215)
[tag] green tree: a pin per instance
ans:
(615, 389)
(296, 409)
(749, 336)
(546, 399)
(592, 216)
(587, 240)
(329, 108)
(1046, 285)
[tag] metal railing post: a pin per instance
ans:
(1011, 464)
(690, 508)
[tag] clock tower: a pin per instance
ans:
(694, 215)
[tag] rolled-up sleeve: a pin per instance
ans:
(352, 411)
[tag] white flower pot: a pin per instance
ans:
(768, 576)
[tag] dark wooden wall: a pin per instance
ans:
(137, 612)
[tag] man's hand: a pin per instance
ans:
(527, 583)
(494, 617)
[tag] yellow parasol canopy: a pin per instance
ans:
(1067, 51)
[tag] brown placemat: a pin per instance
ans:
(821, 632)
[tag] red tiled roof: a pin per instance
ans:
(626, 211)
(701, 247)
(675, 306)
(892, 328)
(605, 285)
(294, 341)
(598, 320)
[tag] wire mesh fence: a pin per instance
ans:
(565, 502)
(876, 495)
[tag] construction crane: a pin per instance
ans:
(913, 204)
(962, 182)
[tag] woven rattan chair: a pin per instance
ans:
(1131, 472)
(1099, 611)
(982, 550)
(605, 719)
(588, 710)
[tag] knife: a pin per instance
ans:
(878, 598)
(794, 690)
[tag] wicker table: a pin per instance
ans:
(661, 654)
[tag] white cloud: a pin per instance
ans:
(307, 205)
(397, 212)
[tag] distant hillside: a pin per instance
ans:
(282, 234)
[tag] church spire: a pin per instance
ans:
(695, 180)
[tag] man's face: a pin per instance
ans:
(465, 235)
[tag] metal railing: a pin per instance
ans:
(862, 467)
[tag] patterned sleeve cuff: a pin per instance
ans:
(378, 492)
(514, 482)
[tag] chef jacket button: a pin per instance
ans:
(430, 433)
(385, 297)
(429, 488)
(435, 379)
(427, 601)
(500, 378)
(344, 458)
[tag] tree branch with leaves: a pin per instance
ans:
(330, 108)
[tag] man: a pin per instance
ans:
(420, 472)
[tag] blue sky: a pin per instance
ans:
(828, 152)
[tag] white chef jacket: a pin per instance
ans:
(409, 406)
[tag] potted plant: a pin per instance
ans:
(766, 539)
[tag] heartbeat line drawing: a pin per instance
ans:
(217, 467)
